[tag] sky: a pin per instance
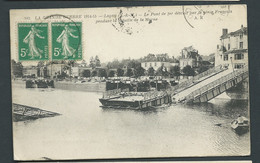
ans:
(164, 34)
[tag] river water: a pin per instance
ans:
(85, 130)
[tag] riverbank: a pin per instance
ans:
(87, 86)
(67, 85)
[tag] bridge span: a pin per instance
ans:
(207, 87)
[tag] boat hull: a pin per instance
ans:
(118, 103)
(241, 129)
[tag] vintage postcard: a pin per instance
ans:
(130, 82)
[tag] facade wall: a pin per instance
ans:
(30, 71)
(157, 65)
(77, 71)
(232, 59)
(187, 61)
(54, 68)
(74, 71)
(189, 56)
(233, 42)
(232, 51)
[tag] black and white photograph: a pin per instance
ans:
(130, 82)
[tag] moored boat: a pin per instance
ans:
(240, 125)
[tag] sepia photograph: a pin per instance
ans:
(130, 82)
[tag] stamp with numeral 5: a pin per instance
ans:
(66, 41)
(33, 41)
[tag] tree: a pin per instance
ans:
(86, 73)
(71, 63)
(94, 73)
(62, 75)
(175, 70)
(139, 71)
(133, 63)
(97, 61)
(17, 68)
(129, 72)
(120, 72)
(83, 63)
(162, 71)
(151, 71)
(111, 73)
(92, 63)
(114, 64)
(188, 70)
(41, 69)
(202, 68)
(102, 73)
(40, 64)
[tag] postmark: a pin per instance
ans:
(66, 40)
(33, 41)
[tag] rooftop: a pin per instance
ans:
(235, 33)
(159, 58)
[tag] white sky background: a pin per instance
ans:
(169, 34)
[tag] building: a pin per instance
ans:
(233, 52)
(55, 69)
(81, 71)
(233, 49)
(78, 71)
(30, 71)
(75, 71)
(157, 61)
(190, 56)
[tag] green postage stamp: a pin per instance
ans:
(66, 41)
(33, 41)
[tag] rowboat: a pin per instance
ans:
(240, 125)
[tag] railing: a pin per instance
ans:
(197, 77)
(216, 83)
(210, 71)
(114, 92)
(153, 94)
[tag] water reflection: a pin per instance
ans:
(230, 109)
(224, 108)
(146, 111)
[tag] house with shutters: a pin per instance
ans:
(233, 48)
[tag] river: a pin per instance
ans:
(85, 130)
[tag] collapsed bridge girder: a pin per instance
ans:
(219, 89)
(211, 87)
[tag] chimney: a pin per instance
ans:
(224, 31)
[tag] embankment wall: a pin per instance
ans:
(88, 86)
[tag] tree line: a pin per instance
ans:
(174, 71)
(126, 67)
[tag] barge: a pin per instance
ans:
(134, 100)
